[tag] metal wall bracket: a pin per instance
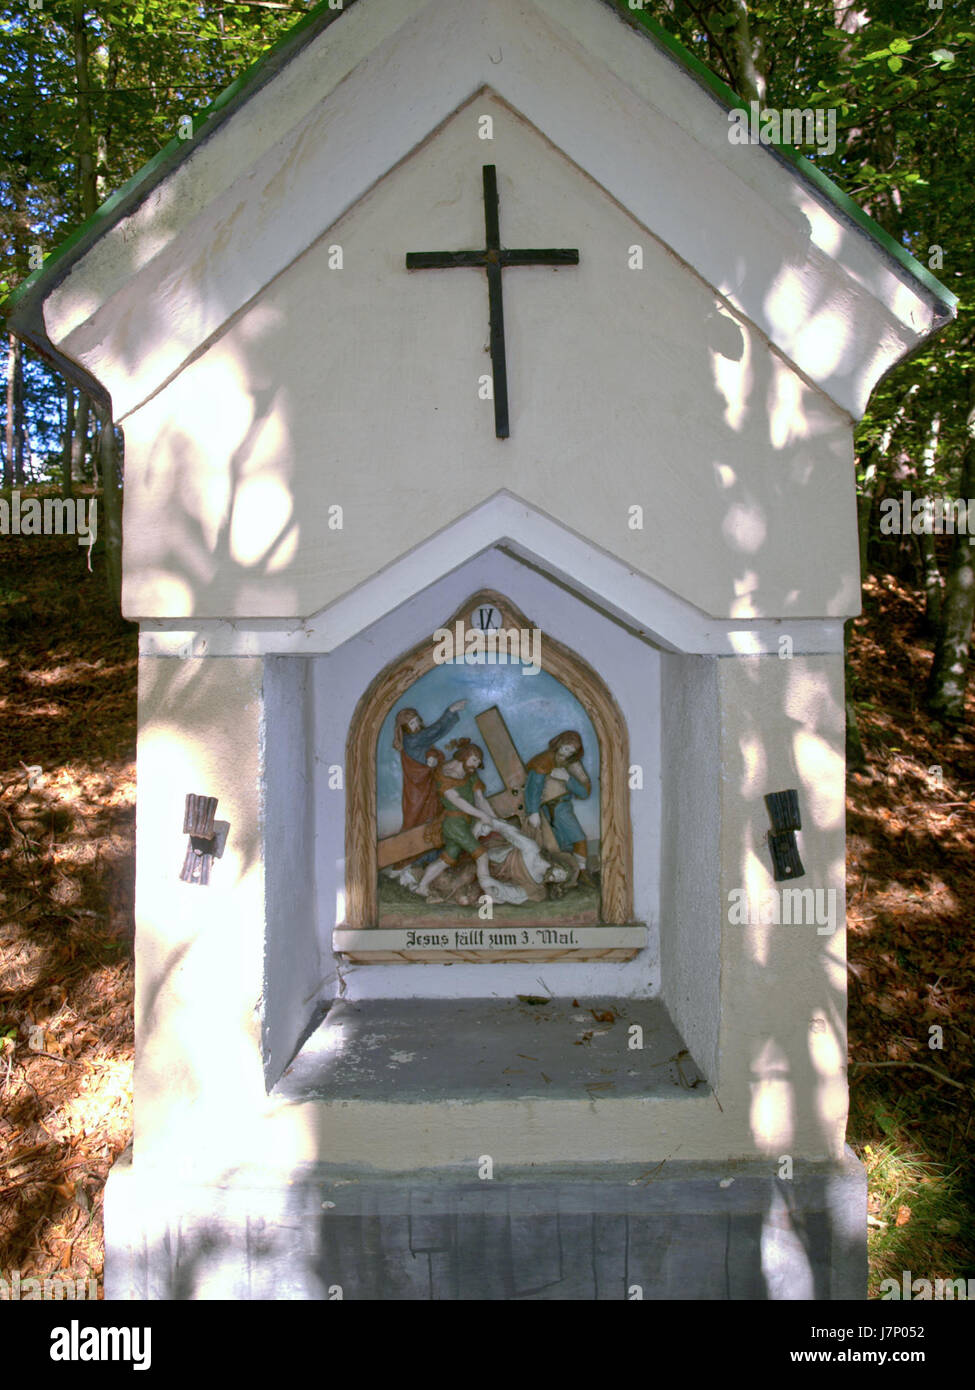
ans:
(207, 838)
(783, 810)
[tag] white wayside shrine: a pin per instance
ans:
(491, 608)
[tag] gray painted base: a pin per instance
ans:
(583, 1233)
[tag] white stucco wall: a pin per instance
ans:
(783, 987)
(199, 950)
(358, 388)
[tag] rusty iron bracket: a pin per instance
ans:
(207, 838)
(783, 810)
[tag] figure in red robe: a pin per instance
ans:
(414, 741)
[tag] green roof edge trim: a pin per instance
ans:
(175, 150)
(809, 171)
(321, 16)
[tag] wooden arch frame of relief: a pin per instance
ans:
(615, 909)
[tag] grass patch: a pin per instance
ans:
(921, 1212)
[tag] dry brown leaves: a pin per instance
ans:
(67, 787)
(911, 877)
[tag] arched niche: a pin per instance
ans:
(392, 683)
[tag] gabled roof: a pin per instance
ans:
(363, 25)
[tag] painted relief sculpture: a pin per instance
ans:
(487, 781)
(476, 822)
(459, 845)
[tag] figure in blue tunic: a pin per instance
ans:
(561, 762)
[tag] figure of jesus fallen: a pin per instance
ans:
(518, 870)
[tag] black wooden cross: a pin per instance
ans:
(493, 259)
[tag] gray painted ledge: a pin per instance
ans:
(420, 1050)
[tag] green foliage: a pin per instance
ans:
(900, 79)
(151, 63)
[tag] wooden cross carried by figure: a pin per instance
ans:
(493, 259)
(408, 844)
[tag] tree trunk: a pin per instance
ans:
(867, 489)
(856, 758)
(8, 457)
(20, 472)
(949, 672)
(929, 557)
(67, 446)
(112, 507)
(746, 55)
(931, 579)
(865, 499)
(79, 442)
(94, 445)
(85, 147)
(87, 188)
